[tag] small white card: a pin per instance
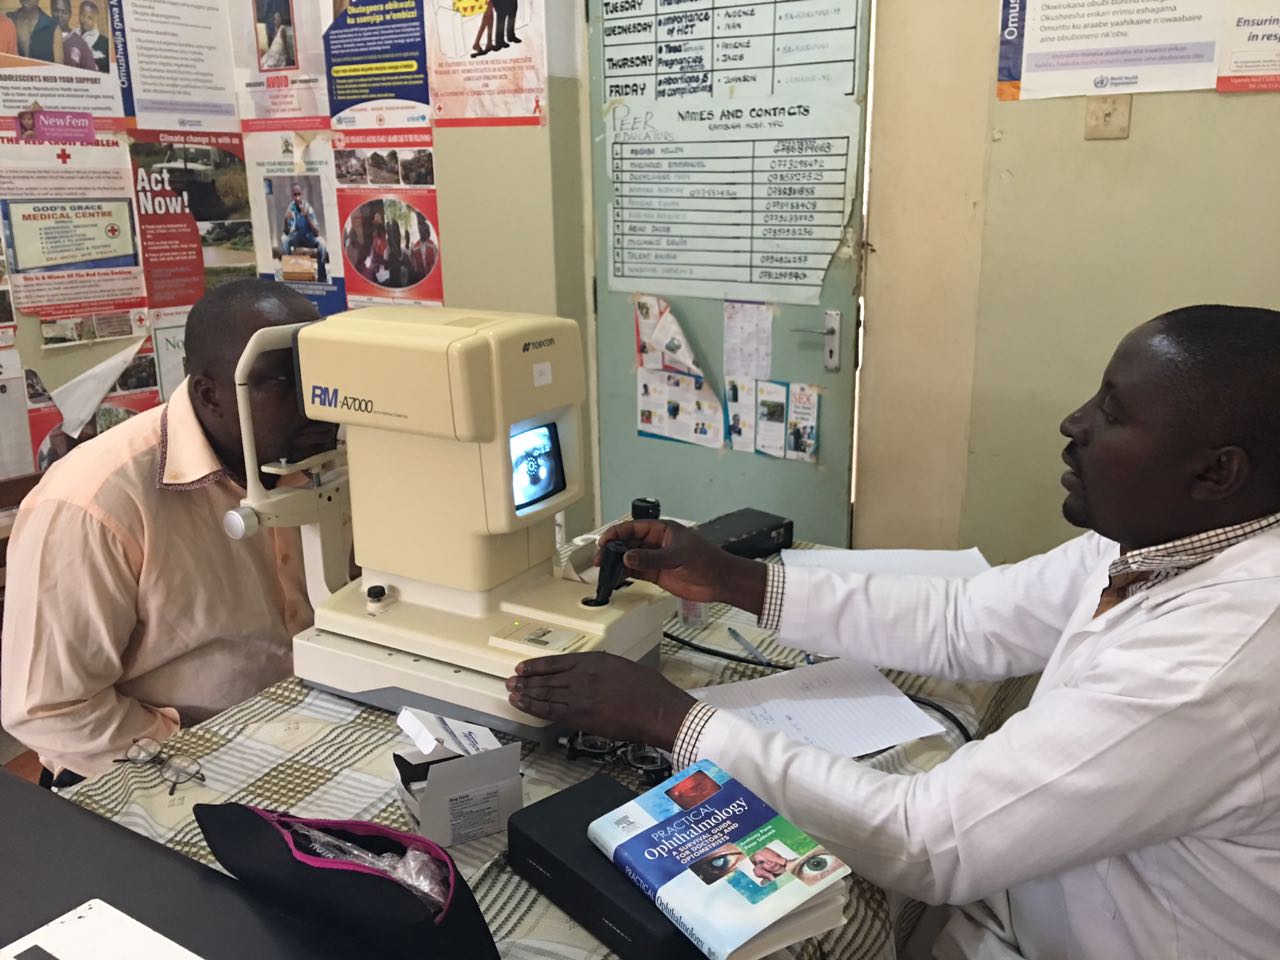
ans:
(95, 931)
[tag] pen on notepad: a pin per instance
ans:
(748, 646)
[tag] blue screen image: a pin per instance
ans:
(537, 470)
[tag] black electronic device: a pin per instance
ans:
(645, 508)
(612, 572)
(548, 846)
(749, 532)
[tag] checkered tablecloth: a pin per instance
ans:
(318, 755)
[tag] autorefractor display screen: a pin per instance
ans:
(537, 469)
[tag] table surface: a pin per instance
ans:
(58, 856)
(318, 755)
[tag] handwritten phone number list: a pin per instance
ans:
(747, 211)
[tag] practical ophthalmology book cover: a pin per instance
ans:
(739, 879)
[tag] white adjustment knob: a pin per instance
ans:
(240, 523)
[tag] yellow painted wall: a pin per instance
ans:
(1011, 257)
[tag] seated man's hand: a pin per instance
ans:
(601, 694)
(682, 563)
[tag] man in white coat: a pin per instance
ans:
(1133, 809)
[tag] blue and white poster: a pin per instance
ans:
(376, 64)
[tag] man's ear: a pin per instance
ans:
(206, 396)
(1224, 473)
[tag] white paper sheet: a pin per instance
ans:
(841, 706)
(922, 563)
(748, 340)
(97, 931)
(15, 431)
(79, 398)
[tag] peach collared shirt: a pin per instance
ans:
(128, 611)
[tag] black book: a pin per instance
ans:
(548, 846)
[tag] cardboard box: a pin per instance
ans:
(459, 783)
(294, 266)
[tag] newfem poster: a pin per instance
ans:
(280, 75)
(292, 199)
(194, 221)
(62, 55)
(390, 226)
(376, 55)
(73, 254)
(175, 71)
(488, 62)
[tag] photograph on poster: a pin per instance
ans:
(273, 26)
(64, 32)
(212, 181)
(417, 168)
(390, 243)
(295, 214)
(98, 326)
(412, 168)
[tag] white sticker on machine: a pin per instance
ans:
(542, 374)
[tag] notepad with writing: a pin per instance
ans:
(844, 707)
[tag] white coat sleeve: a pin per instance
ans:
(1002, 623)
(1146, 746)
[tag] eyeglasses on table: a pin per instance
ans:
(176, 769)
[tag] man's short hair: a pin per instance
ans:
(220, 324)
(90, 4)
(1228, 368)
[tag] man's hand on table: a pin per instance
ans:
(681, 562)
(601, 694)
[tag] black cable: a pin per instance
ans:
(724, 655)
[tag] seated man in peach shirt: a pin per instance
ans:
(129, 612)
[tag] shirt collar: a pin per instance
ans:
(1187, 552)
(187, 461)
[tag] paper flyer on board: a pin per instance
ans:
(280, 74)
(1065, 48)
(390, 225)
(647, 312)
(176, 71)
(740, 402)
(658, 49)
(488, 62)
(1249, 47)
(376, 59)
(194, 224)
(678, 406)
(70, 238)
(168, 335)
(63, 57)
(293, 203)
(15, 436)
(135, 389)
(771, 418)
(674, 400)
(744, 200)
(802, 423)
(748, 339)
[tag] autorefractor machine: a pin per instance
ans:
(463, 442)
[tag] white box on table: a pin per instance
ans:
(473, 782)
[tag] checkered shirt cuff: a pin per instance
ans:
(774, 585)
(685, 750)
